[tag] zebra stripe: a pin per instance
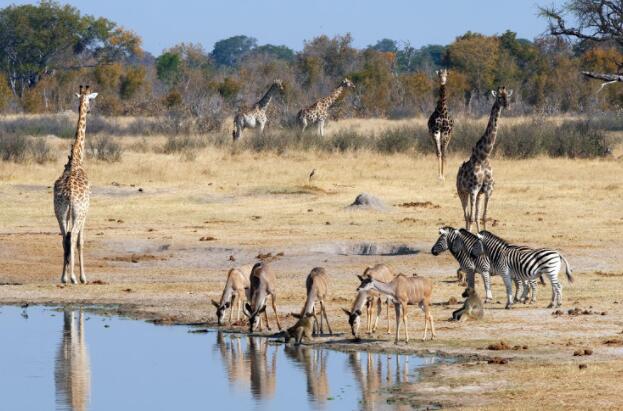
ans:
(524, 264)
(460, 242)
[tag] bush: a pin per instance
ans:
(104, 148)
(21, 149)
(184, 144)
(398, 140)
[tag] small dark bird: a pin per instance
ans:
(25, 305)
(313, 172)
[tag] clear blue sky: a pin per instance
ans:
(163, 23)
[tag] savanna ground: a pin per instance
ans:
(145, 257)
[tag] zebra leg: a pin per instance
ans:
(533, 290)
(556, 292)
(518, 287)
(527, 285)
(486, 279)
(509, 289)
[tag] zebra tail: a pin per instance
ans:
(567, 269)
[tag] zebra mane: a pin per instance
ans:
(489, 235)
(468, 235)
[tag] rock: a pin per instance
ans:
(368, 201)
(502, 345)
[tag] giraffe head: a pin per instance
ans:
(85, 97)
(346, 83)
(443, 76)
(502, 96)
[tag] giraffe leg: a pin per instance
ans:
(472, 203)
(437, 138)
(62, 215)
(484, 211)
(465, 204)
(83, 275)
(262, 124)
(321, 128)
(476, 217)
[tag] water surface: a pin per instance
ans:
(70, 359)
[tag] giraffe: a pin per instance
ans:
(475, 176)
(440, 123)
(71, 195)
(318, 112)
(256, 116)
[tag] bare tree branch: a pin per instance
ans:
(608, 78)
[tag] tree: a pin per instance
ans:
(39, 40)
(386, 45)
(168, 67)
(277, 52)
(598, 21)
(476, 56)
(230, 51)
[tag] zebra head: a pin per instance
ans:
(447, 235)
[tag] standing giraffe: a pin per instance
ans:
(318, 112)
(475, 176)
(256, 116)
(71, 195)
(440, 123)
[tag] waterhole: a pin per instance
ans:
(71, 359)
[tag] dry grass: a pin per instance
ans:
(259, 203)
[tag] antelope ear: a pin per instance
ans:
(494, 93)
(360, 277)
(346, 311)
(214, 303)
(247, 310)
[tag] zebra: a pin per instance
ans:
(460, 242)
(522, 263)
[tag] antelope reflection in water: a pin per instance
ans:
(72, 374)
(255, 364)
(371, 380)
(314, 363)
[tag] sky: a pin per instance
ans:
(162, 24)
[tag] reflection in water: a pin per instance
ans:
(254, 359)
(72, 373)
(371, 381)
(314, 363)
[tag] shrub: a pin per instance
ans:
(21, 149)
(398, 140)
(104, 148)
(185, 143)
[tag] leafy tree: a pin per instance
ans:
(597, 21)
(277, 52)
(131, 82)
(428, 58)
(476, 56)
(385, 45)
(168, 67)
(39, 40)
(230, 51)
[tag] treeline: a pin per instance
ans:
(47, 49)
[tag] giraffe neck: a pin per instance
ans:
(77, 150)
(484, 146)
(442, 104)
(265, 101)
(331, 98)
